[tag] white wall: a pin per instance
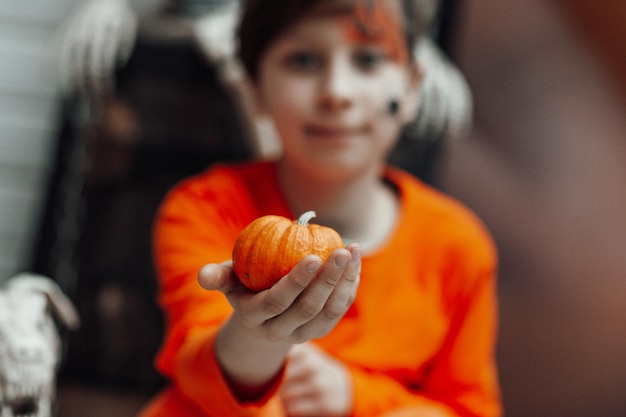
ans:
(28, 121)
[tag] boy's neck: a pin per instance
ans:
(362, 208)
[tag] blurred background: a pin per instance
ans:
(545, 167)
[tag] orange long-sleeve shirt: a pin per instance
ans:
(418, 340)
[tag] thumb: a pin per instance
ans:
(218, 277)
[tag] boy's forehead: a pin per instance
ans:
(370, 21)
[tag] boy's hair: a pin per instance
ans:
(263, 21)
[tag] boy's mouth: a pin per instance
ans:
(333, 132)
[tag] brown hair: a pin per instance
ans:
(264, 20)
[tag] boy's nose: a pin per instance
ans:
(336, 92)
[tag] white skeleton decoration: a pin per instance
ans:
(30, 345)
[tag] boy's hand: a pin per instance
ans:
(315, 384)
(307, 303)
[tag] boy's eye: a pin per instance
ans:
(303, 61)
(368, 60)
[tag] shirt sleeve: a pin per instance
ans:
(464, 375)
(192, 229)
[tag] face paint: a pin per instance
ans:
(376, 21)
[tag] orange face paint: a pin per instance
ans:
(377, 21)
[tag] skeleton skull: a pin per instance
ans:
(30, 346)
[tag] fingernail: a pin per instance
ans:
(313, 267)
(356, 254)
(341, 262)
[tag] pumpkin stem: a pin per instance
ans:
(304, 219)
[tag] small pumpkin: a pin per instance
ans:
(269, 247)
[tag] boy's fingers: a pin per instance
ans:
(337, 302)
(280, 297)
(327, 280)
(218, 277)
(262, 307)
(307, 306)
(296, 299)
(345, 292)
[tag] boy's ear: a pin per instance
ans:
(412, 98)
(258, 103)
(253, 101)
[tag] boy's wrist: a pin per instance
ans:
(250, 362)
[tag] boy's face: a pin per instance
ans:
(330, 87)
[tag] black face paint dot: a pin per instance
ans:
(394, 107)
